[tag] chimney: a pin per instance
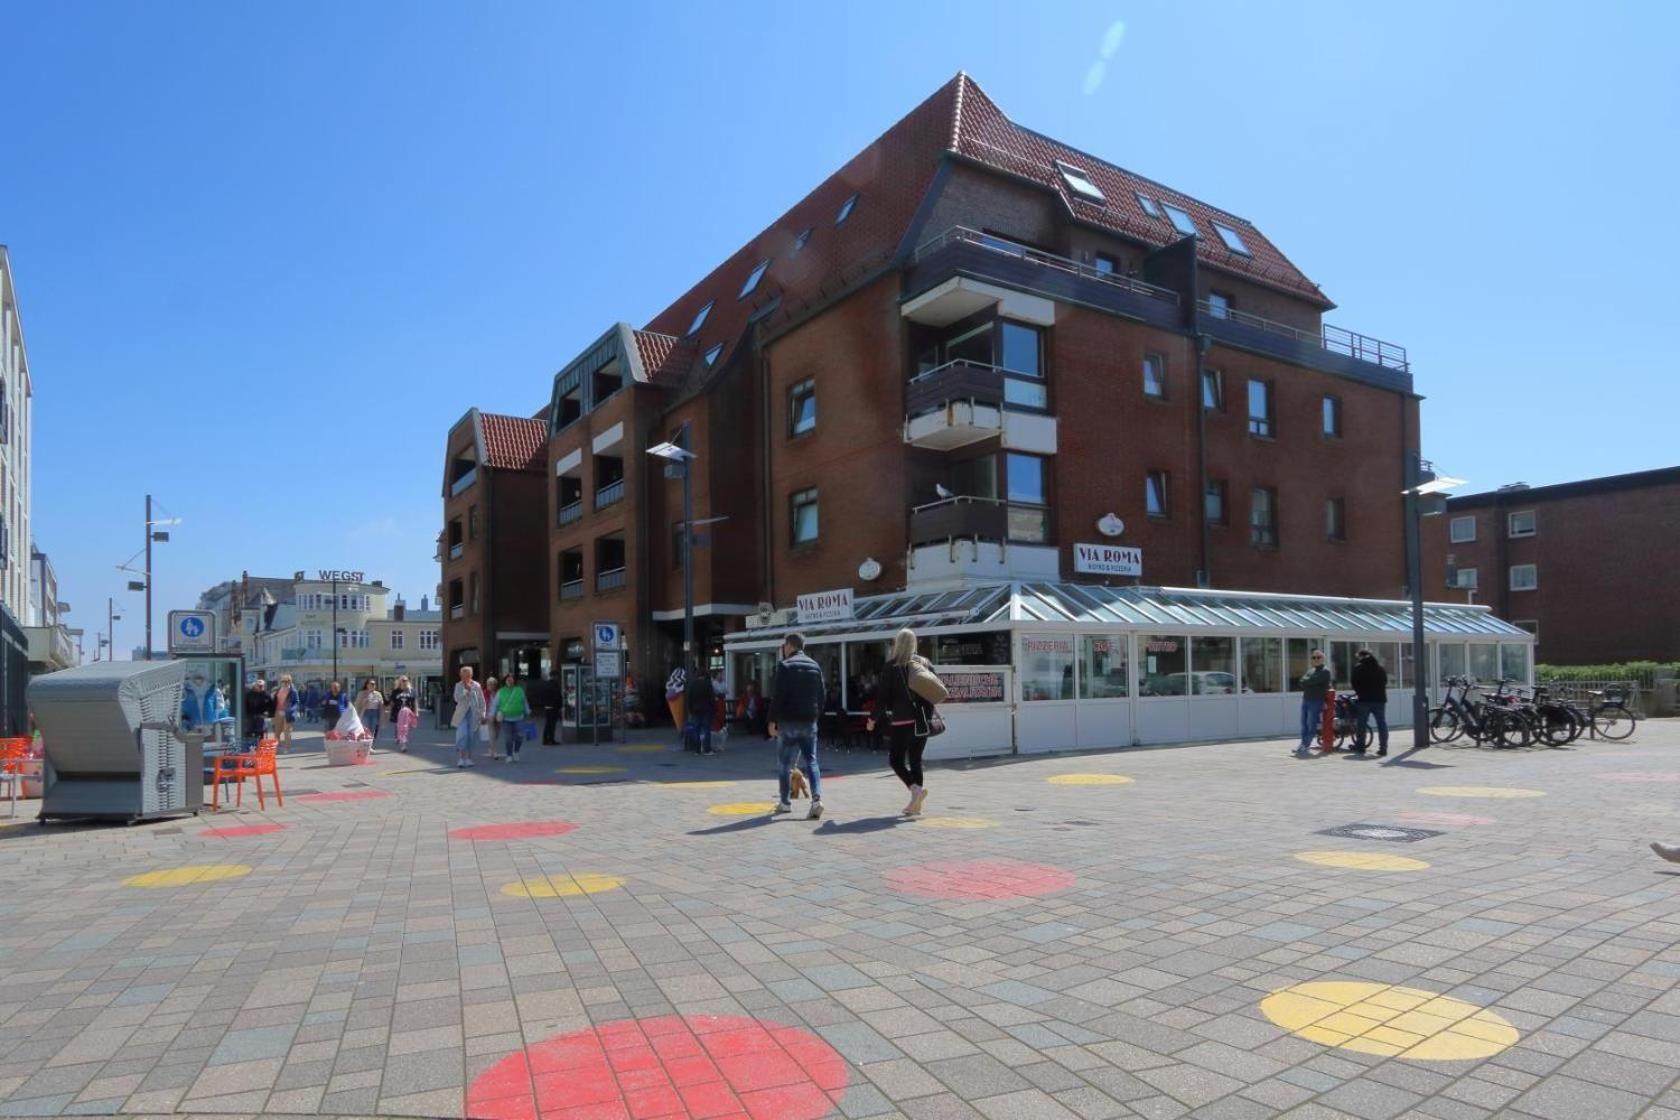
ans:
(398, 611)
(423, 603)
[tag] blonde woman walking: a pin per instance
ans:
(904, 703)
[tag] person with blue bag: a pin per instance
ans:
(514, 709)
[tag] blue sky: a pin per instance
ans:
(266, 254)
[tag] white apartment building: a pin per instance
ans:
(16, 476)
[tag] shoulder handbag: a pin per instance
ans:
(925, 683)
(928, 720)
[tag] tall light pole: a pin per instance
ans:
(1423, 488)
(152, 534)
(678, 454)
(111, 617)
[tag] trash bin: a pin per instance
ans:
(113, 750)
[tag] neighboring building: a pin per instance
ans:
(51, 644)
(16, 475)
(968, 352)
(245, 606)
(1571, 563)
(493, 549)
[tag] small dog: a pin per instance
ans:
(797, 785)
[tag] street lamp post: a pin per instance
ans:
(1423, 488)
(682, 458)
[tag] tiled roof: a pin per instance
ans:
(514, 442)
(665, 358)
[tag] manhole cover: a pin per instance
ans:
(1390, 833)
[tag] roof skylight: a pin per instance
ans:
(1148, 205)
(799, 242)
(1080, 183)
(700, 318)
(845, 210)
(1180, 219)
(753, 278)
(712, 355)
(1233, 240)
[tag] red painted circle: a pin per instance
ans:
(979, 878)
(516, 830)
(1449, 820)
(700, 1066)
(242, 830)
(1641, 776)
(344, 795)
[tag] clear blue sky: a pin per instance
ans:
(266, 254)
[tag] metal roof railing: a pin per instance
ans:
(964, 235)
(1337, 340)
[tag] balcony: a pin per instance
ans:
(964, 402)
(610, 580)
(609, 494)
(572, 589)
(967, 539)
(962, 271)
(572, 513)
(1331, 349)
(458, 610)
(464, 483)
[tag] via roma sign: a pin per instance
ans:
(825, 606)
(1108, 559)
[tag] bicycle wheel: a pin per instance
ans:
(1613, 722)
(1443, 725)
(1558, 726)
(1511, 730)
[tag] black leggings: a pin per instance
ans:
(906, 754)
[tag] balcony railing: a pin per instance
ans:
(571, 589)
(986, 519)
(464, 482)
(569, 513)
(609, 580)
(455, 550)
(458, 610)
(610, 493)
(1335, 340)
(961, 235)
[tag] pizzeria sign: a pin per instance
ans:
(1108, 559)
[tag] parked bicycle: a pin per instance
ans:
(1487, 723)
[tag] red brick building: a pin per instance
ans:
(1571, 563)
(951, 362)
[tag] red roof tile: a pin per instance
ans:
(664, 358)
(515, 443)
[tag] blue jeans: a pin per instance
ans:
(370, 720)
(700, 731)
(800, 743)
(1367, 709)
(466, 734)
(1312, 719)
(515, 736)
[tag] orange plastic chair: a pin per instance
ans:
(14, 761)
(238, 767)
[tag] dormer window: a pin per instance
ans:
(700, 318)
(1180, 219)
(1148, 205)
(753, 278)
(711, 355)
(845, 210)
(799, 243)
(1233, 240)
(1080, 183)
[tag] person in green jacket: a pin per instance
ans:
(1315, 686)
(513, 709)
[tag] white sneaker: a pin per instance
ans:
(1670, 852)
(914, 802)
(460, 764)
(816, 811)
(781, 807)
(917, 801)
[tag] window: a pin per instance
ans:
(803, 507)
(1106, 264)
(396, 638)
(1262, 664)
(1462, 530)
(1213, 666)
(1021, 351)
(845, 210)
(1484, 662)
(1233, 240)
(1213, 390)
(1262, 517)
(1532, 625)
(1335, 519)
(1180, 220)
(1080, 183)
(802, 407)
(1520, 524)
(1024, 483)
(1046, 667)
(1219, 305)
(1213, 503)
(1162, 661)
(700, 318)
(428, 639)
(753, 278)
(1524, 577)
(1331, 413)
(1102, 667)
(1155, 493)
(312, 639)
(1467, 579)
(711, 355)
(1148, 205)
(1155, 376)
(1260, 409)
(799, 242)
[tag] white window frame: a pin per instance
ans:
(1511, 523)
(1233, 240)
(1534, 577)
(1452, 529)
(1081, 183)
(1472, 584)
(396, 638)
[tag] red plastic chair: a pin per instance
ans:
(14, 760)
(238, 767)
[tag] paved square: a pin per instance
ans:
(615, 931)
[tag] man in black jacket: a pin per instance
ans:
(702, 709)
(1370, 688)
(796, 701)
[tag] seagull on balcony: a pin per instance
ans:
(939, 488)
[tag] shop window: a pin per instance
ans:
(1163, 660)
(802, 506)
(1513, 662)
(1047, 667)
(1340, 658)
(1262, 665)
(1213, 666)
(1450, 656)
(1484, 663)
(1524, 577)
(1462, 530)
(1102, 667)
(987, 648)
(1298, 652)
(1155, 494)
(802, 408)
(1155, 376)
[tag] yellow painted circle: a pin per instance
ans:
(1480, 791)
(563, 885)
(1362, 861)
(741, 808)
(191, 873)
(714, 783)
(642, 748)
(1388, 1020)
(592, 770)
(955, 822)
(1089, 780)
